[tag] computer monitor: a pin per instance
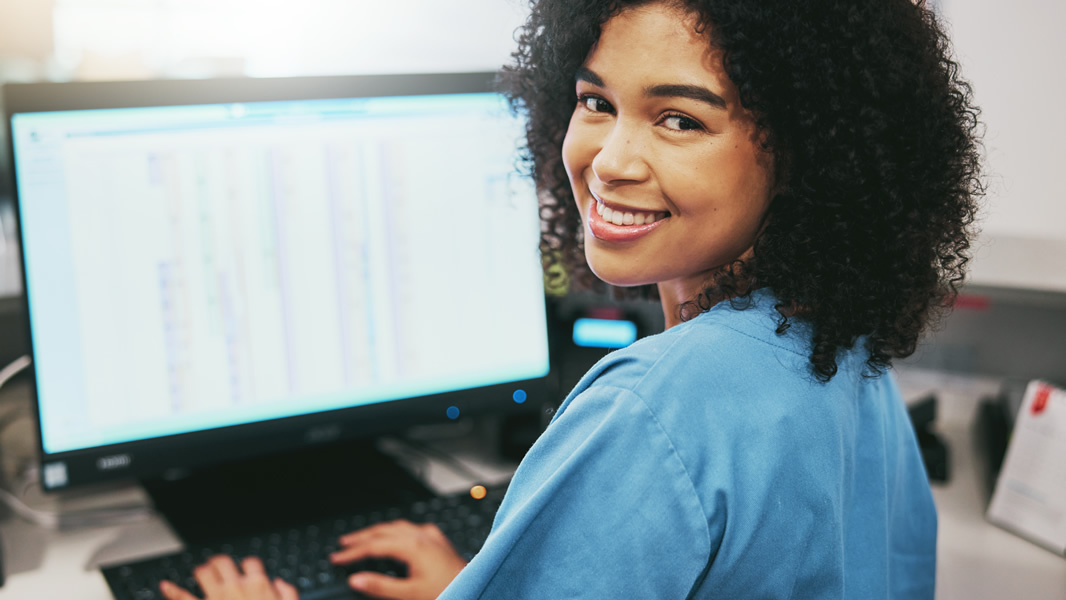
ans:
(219, 269)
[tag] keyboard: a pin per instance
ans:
(300, 555)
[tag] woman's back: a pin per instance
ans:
(755, 479)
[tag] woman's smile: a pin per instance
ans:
(611, 222)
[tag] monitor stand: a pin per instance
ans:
(279, 491)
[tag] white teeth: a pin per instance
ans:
(618, 217)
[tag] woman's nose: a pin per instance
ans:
(621, 157)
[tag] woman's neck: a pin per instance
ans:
(676, 293)
(672, 295)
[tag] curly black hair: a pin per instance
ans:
(875, 138)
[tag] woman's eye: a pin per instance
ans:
(681, 123)
(595, 104)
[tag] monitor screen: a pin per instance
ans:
(330, 256)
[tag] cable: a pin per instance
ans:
(41, 518)
(13, 369)
(6, 374)
(30, 477)
(16, 413)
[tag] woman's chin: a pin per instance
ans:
(616, 277)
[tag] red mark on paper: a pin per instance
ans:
(1040, 402)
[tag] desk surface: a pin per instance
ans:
(976, 560)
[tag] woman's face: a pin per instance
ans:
(665, 165)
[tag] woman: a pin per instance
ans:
(795, 182)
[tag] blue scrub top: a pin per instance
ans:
(707, 461)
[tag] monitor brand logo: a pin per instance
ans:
(115, 461)
(323, 433)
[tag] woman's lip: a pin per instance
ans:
(621, 208)
(609, 232)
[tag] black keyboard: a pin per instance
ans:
(300, 555)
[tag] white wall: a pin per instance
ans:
(1013, 53)
(108, 39)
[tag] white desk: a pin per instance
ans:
(976, 559)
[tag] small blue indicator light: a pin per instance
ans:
(604, 333)
(453, 412)
(519, 396)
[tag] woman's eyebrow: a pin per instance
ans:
(692, 92)
(586, 74)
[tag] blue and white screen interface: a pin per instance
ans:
(194, 267)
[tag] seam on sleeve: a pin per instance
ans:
(688, 478)
(672, 449)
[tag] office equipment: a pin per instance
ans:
(591, 332)
(996, 415)
(1030, 494)
(300, 555)
(589, 325)
(935, 454)
(267, 273)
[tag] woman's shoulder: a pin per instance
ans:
(731, 368)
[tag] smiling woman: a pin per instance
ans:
(795, 181)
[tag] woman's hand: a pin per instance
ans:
(220, 579)
(432, 562)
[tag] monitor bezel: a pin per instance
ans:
(157, 457)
